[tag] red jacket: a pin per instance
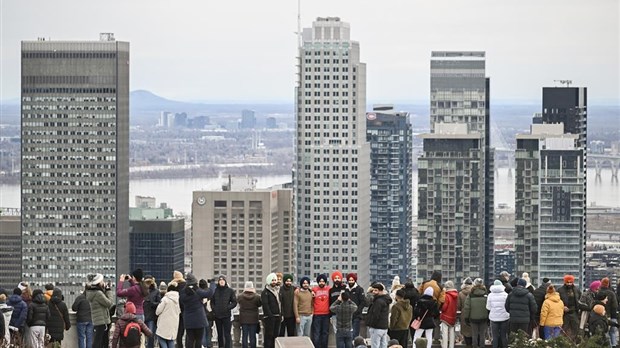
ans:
(321, 300)
(448, 309)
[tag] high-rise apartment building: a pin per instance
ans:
(550, 207)
(460, 96)
(391, 209)
(331, 186)
(75, 161)
(10, 248)
(243, 234)
(248, 119)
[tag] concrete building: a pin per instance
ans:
(550, 211)
(243, 234)
(10, 248)
(391, 209)
(331, 186)
(459, 95)
(248, 119)
(271, 123)
(75, 161)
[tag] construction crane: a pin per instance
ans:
(564, 82)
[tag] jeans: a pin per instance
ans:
(224, 327)
(356, 327)
(344, 339)
(478, 334)
(613, 333)
(206, 337)
(320, 330)
(333, 320)
(551, 332)
(164, 343)
(150, 341)
(378, 337)
(305, 326)
(447, 335)
(499, 330)
(248, 333)
(85, 334)
(101, 336)
(428, 333)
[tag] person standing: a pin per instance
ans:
(504, 277)
(99, 297)
(539, 295)
(552, 313)
(272, 310)
(343, 308)
(448, 316)
(586, 303)
(466, 287)
(287, 295)
(177, 277)
(249, 304)
(522, 308)
(222, 303)
(476, 314)
(358, 296)
(400, 318)
(20, 310)
(150, 305)
(425, 310)
(84, 320)
(136, 292)
(129, 316)
(194, 315)
(5, 313)
(303, 308)
(496, 304)
(334, 293)
(58, 322)
(320, 319)
(570, 295)
(377, 318)
(38, 317)
(168, 311)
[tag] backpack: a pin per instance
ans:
(130, 337)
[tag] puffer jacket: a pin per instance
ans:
(475, 310)
(20, 311)
(249, 303)
(120, 327)
(168, 312)
(552, 312)
(539, 296)
(378, 313)
(150, 304)
(496, 304)
(223, 301)
(400, 315)
(521, 306)
(82, 308)
(611, 308)
(463, 294)
(38, 311)
(100, 304)
(59, 316)
(426, 308)
(5, 312)
(448, 309)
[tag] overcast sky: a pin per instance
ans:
(237, 50)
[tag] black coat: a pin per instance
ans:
(573, 307)
(59, 317)
(378, 316)
(249, 303)
(150, 304)
(287, 296)
(539, 296)
(271, 305)
(522, 306)
(611, 308)
(358, 296)
(38, 311)
(426, 304)
(412, 294)
(223, 301)
(194, 316)
(81, 307)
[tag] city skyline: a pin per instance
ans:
(539, 45)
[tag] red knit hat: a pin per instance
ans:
(336, 273)
(130, 308)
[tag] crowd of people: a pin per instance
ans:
(182, 312)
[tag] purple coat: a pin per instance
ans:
(133, 294)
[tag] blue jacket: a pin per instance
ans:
(20, 311)
(194, 315)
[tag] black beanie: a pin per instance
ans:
(138, 274)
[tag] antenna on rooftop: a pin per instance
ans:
(298, 23)
(564, 82)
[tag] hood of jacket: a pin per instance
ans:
(56, 296)
(452, 293)
(520, 291)
(172, 296)
(128, 316)
(478, 291)
(466, 288)
(497, 288)
(14, 299)
(554, 296)
(404, 304)
(39, 298)
(248, 295)
(383, 297)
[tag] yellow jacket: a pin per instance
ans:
(552, 312)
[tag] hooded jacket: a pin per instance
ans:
(439, 294)
(59, 316)
(426, 309)
(378, 313)
(448, 309)
(359, 298)
(539, 296)
(125, 319)
(168, 311)
(194, 315)
(82, 309)
(100, 304)
(552, 312)
(496, 304)
(463, 294)
(411, 293)
(400, 315)
(521, 306)
(475, 309)
(20, 311)
(223, 301)
(38, 311)
(249, 304)
(150, 304)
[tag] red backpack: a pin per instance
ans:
(130, 337)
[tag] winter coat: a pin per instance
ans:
(100, 304)
(411, 294)
(121, 323)
(572, 302)
(3, 330)
(249, 303)
(321, 300)
(507, 287)
(521, 306)
(287, 297)
(223, 301)
(448, 309)
(334, 292)
(134, 294)
(5, 313)
(552, 312)
(496, 304)
(194, 315)
(270, 300)
(38, 311)
(20, 311)
(611, 308)
(463, 294)
(59, 316)
(82, 309)
(344, 314)
(378, 313)
(439, 294)
(475, 310)
(359, 298)
(168, 311)
(400, 315)
(150, 304)
(539, 296)
(427, 305)
(598, 325)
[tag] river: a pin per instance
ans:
(177, 193)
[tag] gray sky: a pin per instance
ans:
(237, 50)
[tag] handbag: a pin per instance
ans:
(418, 322)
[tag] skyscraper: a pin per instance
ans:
(331, 187)
(10, 248)
(75, 161)
(550, 207)
(390, 138)
(460, 97)
(248, 119)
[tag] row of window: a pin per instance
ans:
(95, 107)
(100, 166)
(329, 110)
(52, 90)
(66, 55)
(328, 85)
(309, 52)
(73, 133)
(85, 123)
(66, 116)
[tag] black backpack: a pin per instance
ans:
(130, 337)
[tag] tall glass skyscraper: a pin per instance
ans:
(75, 161)
(331, 187)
